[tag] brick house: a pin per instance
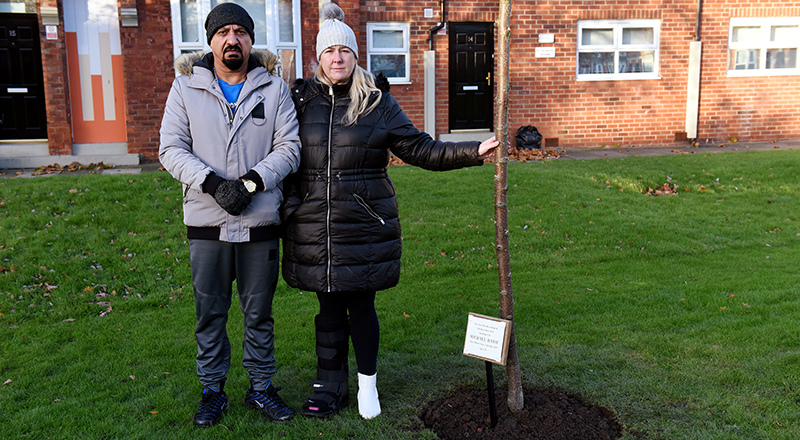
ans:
(86, 80)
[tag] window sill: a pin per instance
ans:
(617, 78)
(401, 83)
(763, 72)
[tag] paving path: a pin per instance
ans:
(568, 154)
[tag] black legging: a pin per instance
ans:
(364, 327)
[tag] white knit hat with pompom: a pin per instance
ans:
(333, 31)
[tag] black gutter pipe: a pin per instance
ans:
(438, 26)
(699, 20)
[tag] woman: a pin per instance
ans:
(343, 235)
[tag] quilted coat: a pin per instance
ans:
(342, 229)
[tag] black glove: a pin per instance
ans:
(232, 196)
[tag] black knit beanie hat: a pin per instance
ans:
(228, 13)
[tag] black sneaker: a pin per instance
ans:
(211, 407)
(269, 403)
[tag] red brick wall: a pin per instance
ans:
(147, 60)
(411, 97)
(546, 94)
(593, 113)
(309, 23)
(54, 63)
(747, 108)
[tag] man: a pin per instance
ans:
(230, 135)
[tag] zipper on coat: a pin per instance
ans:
(368, 208)
(229, 111)
(328, 187)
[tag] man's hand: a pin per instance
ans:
(232, 196)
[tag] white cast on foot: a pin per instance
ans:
(368, 405)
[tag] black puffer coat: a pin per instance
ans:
(340, 211)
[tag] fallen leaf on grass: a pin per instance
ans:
(664, 190)
(132, 377)
(68, 320)
(7, 382)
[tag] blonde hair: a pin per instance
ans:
(363, 85)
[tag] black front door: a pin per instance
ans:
(471, 77)
(22, 108)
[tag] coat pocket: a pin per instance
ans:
(258, 114)
(368, 208)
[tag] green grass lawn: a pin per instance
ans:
(679, 313)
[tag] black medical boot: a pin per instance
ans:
(331, 392)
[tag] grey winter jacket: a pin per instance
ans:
(200, 135)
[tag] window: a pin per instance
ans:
(277, 28)
(763, 46)
(388, 51)
(617, 49)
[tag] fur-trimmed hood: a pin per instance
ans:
(183, 64)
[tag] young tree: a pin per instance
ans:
(515, 398)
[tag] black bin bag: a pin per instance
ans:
(528, 137)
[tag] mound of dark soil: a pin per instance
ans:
(548, 415)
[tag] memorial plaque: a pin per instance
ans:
(487, 338)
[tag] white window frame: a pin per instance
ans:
(273, 31)
(766, 24)
(616, 47)
(405, 50)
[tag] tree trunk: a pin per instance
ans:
(515, 398)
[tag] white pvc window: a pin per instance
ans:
(617, 49)
(277, 28)
(763, 46)
(388, 51)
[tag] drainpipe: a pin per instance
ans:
(698, 20)
(429, 68)
(693, 78)
(442, 13)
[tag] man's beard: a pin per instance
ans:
(233, 63)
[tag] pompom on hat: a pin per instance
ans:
(228, 13)
(333, 31)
